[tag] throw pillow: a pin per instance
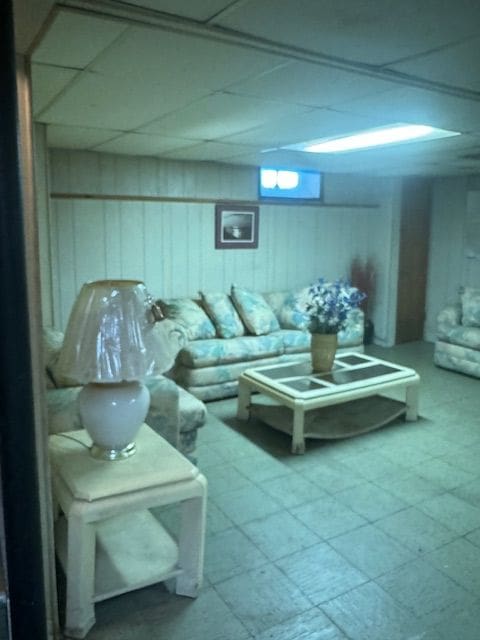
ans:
(190, 316)
(223, 314)
(257, 316)
(286, 308)
(471, 307)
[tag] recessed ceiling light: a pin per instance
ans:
(393, 134)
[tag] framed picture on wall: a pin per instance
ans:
(236, 226)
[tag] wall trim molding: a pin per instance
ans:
(145, 198)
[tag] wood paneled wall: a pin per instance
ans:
(452, 263)
(170, 245)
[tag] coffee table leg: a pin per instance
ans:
(411, 400)
(243, 402)
(298, 439)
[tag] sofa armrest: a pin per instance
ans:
(62, 409)
(164, 413)
(447, 319)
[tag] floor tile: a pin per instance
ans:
(279, 535)
(464, 625)
(443, 474)
(369, 613)
(460, 560)
(261, 467)
(371, 550)
(311, 625)
(331, 475)
(166, 616)
(328, 517)
(373, 464)
(293, 490)
(246, 504)
(229, 553)
(416, 530)
(469, 492)
(321, 573)
(262, 598)
(454, 513)
(411, 488)
(225, 477)
(474, 537)
(431, 595)
(370, 501)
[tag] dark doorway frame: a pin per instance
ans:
(23, 556)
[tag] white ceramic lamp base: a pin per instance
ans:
(112, 414)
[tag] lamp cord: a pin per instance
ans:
(64, 435)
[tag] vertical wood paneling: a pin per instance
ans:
(447, 261)
(171, 245)
(89, 242)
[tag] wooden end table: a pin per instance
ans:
(107, 540)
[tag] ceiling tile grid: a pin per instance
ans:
(236, 80)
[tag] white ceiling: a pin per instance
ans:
(232, 81)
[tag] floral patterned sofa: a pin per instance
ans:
(224, 334)
(458, 334)
(174, 413)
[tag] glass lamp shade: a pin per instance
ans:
(110, 346)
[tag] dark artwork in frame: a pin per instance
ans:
(236, 226)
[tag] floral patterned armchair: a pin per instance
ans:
(457, 346)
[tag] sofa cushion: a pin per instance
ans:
(471, 307)
(287, 310)
(190, 316)
(254, 310)
(223, 314)
(206, 353)
(294, 341)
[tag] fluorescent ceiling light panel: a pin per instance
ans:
(394, 134)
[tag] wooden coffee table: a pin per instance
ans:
(356, 379)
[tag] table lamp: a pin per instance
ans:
(110, 346)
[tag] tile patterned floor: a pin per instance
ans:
(372, 538)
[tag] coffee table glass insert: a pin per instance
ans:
(354, 377)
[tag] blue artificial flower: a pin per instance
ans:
(327, 304)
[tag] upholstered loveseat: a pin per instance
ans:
(457, 344)
(224, 334)
(174, 413)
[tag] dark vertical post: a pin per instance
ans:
(22, 524)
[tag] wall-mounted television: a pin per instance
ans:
(298, 184)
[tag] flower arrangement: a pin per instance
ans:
(327, 304)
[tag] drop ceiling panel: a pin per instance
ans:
(180, 60)
(74, 39)
(47, 82)
(369, 31)
(452, 66)
(303, 127)
(212, 151)
(141, 144)
(94, 100)
(420, 106)
(221, 115)
(77, 137)
(311, 84)
(195, 10)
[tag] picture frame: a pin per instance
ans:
(236, 226)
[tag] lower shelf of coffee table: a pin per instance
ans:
(343, 420)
